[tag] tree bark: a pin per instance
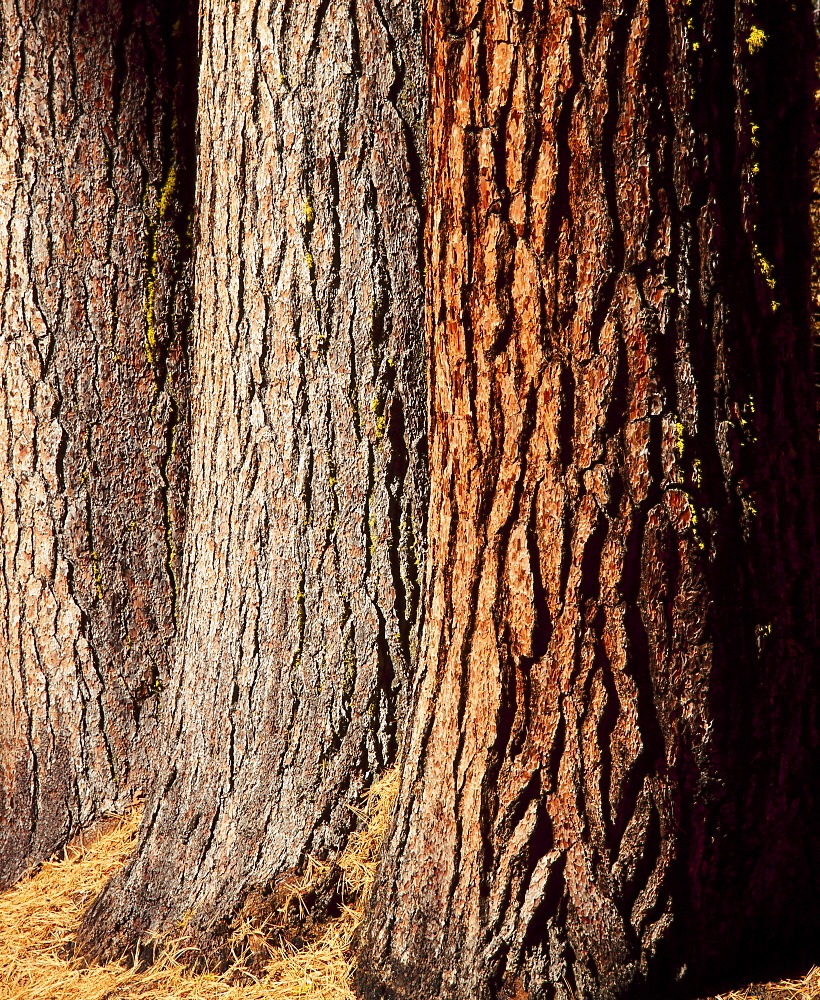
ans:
(308, 475)
(96, 175)
(608, 788)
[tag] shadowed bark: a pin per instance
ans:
(608, 785)
(96, 180)
(308, 480)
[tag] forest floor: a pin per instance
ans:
(40, 915)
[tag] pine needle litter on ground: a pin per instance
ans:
(39, 918)
(40, 915)
(797, 989)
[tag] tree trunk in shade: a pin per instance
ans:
(308, 473)
(96, 183)
(609, 779)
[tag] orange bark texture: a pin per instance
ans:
(615, 714)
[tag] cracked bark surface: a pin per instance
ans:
(95, 184)
(607, 784)
(308, 482)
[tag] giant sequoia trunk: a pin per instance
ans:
(300, 588)
(608, 788)
(95, 169)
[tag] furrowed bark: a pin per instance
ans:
(96, 174)
(607, 789)
(308, 480)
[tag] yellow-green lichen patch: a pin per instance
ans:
(151, 341)
(170, 563)
(766, 268)
(377, 407)
(679, 438)
(756, 40)
(372, 534)
(693, 514)
(152, 263)
(98, 580)
(749, 507)
(167, 192)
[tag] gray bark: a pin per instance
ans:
(308, 482)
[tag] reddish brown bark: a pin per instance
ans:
(95, 186)
(308, 475)
(608, 783)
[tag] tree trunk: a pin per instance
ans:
(608, 788)
(96, 178)
(308, 475)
